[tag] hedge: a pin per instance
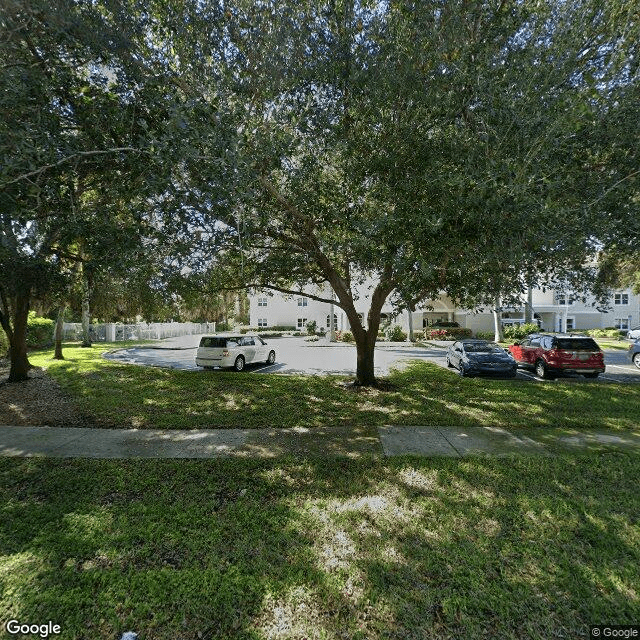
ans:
(616, 334)
(447, 333)
(39, 331)
(39, 334)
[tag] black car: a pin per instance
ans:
(634, 353)
(472, 357)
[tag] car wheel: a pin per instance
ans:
(462, 371)
(449, 363)
(595, 374)
(238, 365)
(272, 357)
(636, 360)
(542, 371)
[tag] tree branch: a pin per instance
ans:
(293, 292)
(79, 154)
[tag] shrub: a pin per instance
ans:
(449, 333)
(344, 336)
(282, 327)
(313, 338)
(615, 334)
(485, 335)
(223, 326)
(269, 332)
(522, 331)
(396, 334)
(39, 331)
(322, 331)
(435, 334)
(455, 333)
(249, 329)
(311, 327)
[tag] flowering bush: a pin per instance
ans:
(450, 333)
(435, 334)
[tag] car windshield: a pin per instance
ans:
(482, 348)
(575, 344)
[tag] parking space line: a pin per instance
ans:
(623, 367)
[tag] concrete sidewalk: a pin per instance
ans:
(337, 441)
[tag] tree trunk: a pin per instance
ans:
(497, 321)
(59, 330)
(528, 307)
(18, 340)
(366, 341)
(365, 376)
(86, 315)
(410, 311)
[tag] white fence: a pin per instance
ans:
(111, 332)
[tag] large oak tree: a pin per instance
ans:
(461, 147)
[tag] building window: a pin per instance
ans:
(335, 320)
(262, 302)
(262, 322)
(568, 324)
(564, 300)
(302, 323)
(303, 302)
(621, 323)
(621, 298)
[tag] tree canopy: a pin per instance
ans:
(465, 148)
(461, 147)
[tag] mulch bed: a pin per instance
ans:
(39, 401)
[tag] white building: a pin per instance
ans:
(555, 311)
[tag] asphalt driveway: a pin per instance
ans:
(296, 356)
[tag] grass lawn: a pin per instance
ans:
(122, 395)
(504, 548)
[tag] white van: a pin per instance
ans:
(229, 350)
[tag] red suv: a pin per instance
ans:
(549, 356)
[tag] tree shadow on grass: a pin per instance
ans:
(322, 547)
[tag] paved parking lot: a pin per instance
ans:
(295, 356)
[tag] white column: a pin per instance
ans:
(332, 328)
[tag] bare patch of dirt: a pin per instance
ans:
(38, 401)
